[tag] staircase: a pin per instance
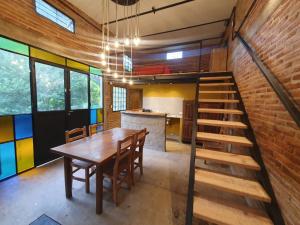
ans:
(208, 179)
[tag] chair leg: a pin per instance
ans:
(132, 172)
(87, 180)
(141, 165)
(115, 192)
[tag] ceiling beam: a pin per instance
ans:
(188, 27)
(153, 10)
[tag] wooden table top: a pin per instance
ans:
(97, 148)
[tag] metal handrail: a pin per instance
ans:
(190, 197)
(274, 83)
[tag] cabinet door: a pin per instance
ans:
(187, 120)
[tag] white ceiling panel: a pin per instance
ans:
(189, 14)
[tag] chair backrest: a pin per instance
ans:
(141, 137)
(124, 150)
(93, 129)
(75, 134)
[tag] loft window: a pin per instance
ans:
(119, 99)
(53, 14)
(174, 55)
(127, 63)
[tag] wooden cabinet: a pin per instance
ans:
(187, 120)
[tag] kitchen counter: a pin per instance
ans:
(155, 124)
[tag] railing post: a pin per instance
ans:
(189, 206)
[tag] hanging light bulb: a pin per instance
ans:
(107, 48)
(131, 82)
(127, 41)
(103, 63)
(124, 80)
(102, 55)
(117, 44)
(136, 41)
(108, 70)
(116, 75)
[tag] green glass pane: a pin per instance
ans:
(79, 90)
(14, 46)
(96, 91)
(96, 71)
(50, 87)
(15, 94)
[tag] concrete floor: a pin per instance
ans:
(158, 198)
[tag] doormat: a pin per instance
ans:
(44, 220)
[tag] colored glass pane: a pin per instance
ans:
(25, 159)
(23, 126)
(93, 116)
(77, 65)
(47, 56)
(14, 46)
(7, 160)
(96, 71)
(6, 129)
(100, 116)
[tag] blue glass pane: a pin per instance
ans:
(23, 126)
(93, 113)
(7, 160)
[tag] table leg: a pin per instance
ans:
(99, 189)
(68, 176)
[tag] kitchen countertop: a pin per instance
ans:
(145, 113)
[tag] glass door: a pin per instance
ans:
(78, 100)
(49, 110)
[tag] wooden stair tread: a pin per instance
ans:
(222, 213)
(243, 141)
(215, 84)
(218, 100)
(216, 78)
(222, 123)
(220, 111)
(231, 184)
(217, 92)
(228, 158)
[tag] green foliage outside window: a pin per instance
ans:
(50, 87)
(96, 91)
(79, 90)
(15, 94)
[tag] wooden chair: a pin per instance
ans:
(118, 170)
(93, 129)
(138, 153)
(74, 135)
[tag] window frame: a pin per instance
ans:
(73, 21)
(176, 52)
(126, 61)
(112, 96)
(69, 71)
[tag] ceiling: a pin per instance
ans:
(183, 15)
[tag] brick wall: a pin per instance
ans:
(277, 42)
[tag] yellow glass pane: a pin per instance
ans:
(99, 116)
(25, 158)
(47, 56)
(6, 129)
(77, 65)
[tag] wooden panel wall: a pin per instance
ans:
(18, 20)
(218, 60)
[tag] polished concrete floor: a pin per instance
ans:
(158, 198)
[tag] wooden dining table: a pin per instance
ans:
(96, 149)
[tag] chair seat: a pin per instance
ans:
(108, 168)
(81, 164)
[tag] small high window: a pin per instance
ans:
(53, 14)
(119, 99)
(174, 55)
(127, 63)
